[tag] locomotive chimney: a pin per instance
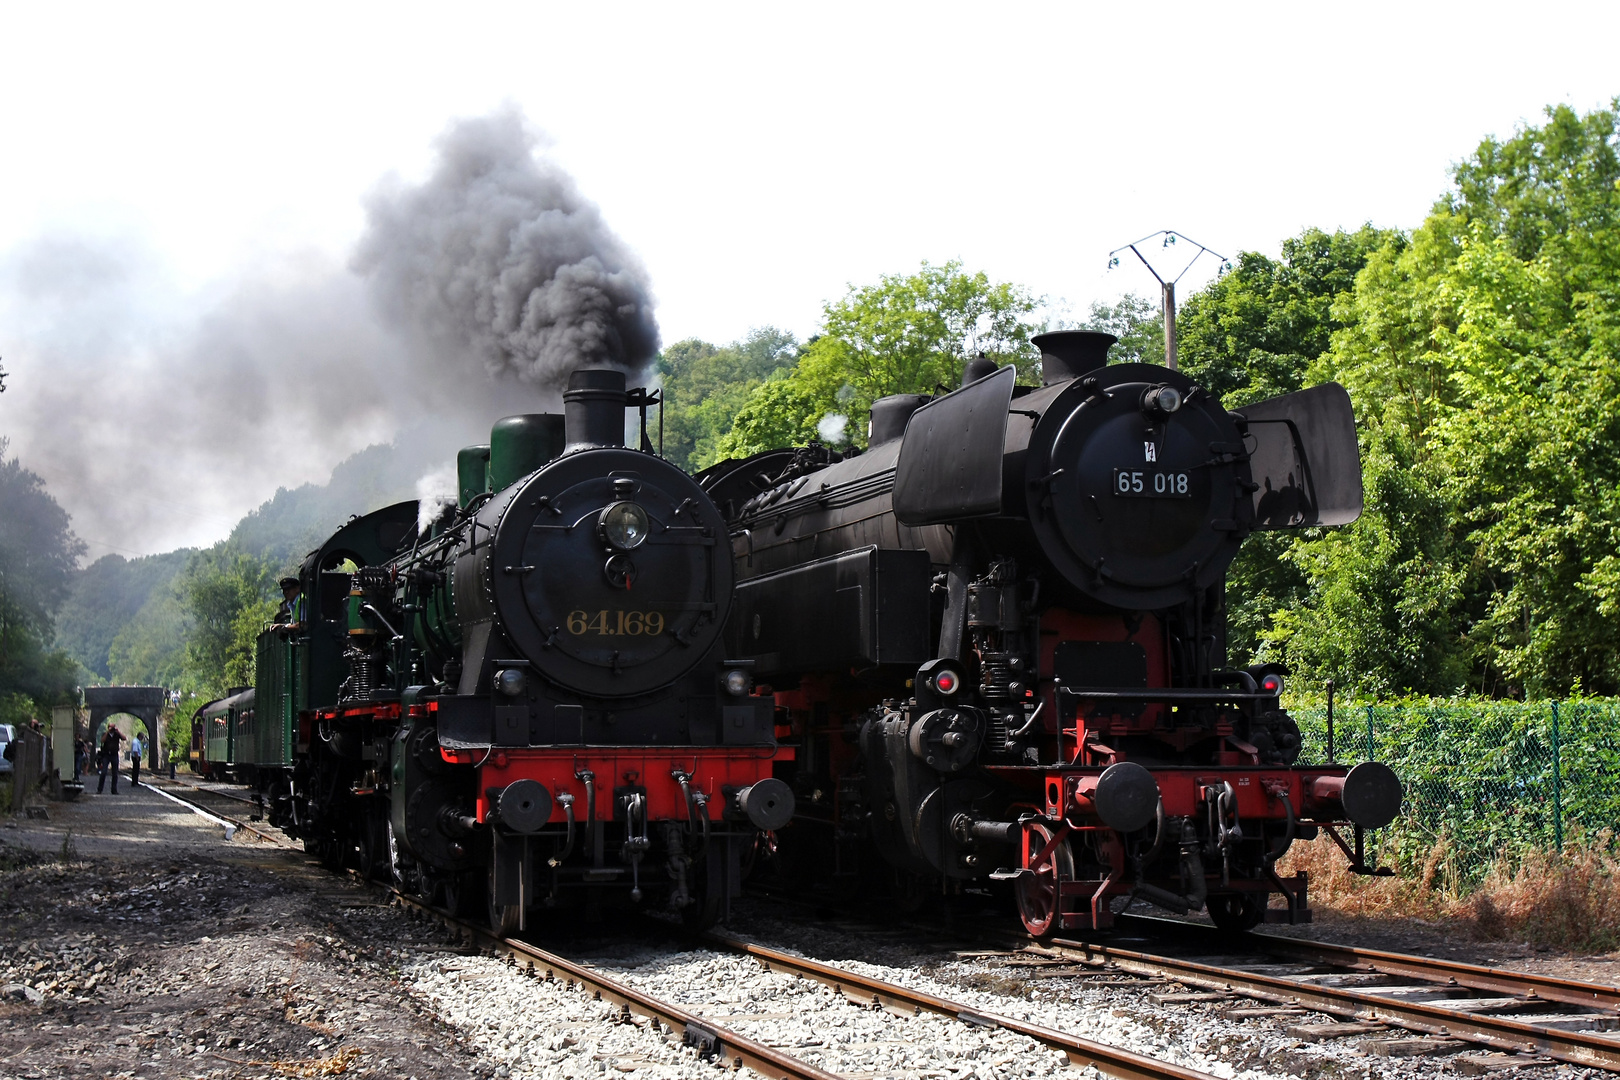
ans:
(1069, 354)
(593, 408)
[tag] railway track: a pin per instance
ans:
(713, 1040)
(1448, 1004)
(716, 1041)
(1378, 996)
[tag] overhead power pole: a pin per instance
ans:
(1167, 288)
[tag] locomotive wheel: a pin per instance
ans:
(1038, 894)
(708, 890)
(462, 893)
(504, 919)
(372, 850)
(1236, 912)
(334, 852)
(910, 890)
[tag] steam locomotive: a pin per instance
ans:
(998, 639)
(525, 702)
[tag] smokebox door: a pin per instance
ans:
(950, 461)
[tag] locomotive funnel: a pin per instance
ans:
(593, 406)
(1068, 354)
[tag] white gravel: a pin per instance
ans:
(530, 1027)
(1192, 1035)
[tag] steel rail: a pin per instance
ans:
(712, 1039)
(1574, 1047)
(1111, 1060)
(211, 791)
(193, 804)
(1429, 969)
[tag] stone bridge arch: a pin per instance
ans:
(144, 703)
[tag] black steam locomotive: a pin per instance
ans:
(998, 637)
(527, 700)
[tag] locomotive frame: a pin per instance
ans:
(997, 637)
(452, 715)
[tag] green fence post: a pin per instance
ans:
(1371, 755)
(1558, 790)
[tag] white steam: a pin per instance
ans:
(436, 491)
(831, 428)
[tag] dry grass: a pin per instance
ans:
(1569, 901)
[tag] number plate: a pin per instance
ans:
(1152, 484)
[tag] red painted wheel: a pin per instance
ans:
(1038, 893)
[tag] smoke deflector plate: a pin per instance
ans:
(950, 461)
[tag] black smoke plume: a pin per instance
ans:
(158, 416)
(498, 256)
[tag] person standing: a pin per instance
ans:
(80, 753)
(107, 759)
(135, 749)
(290, 615)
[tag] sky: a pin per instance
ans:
(757, 159)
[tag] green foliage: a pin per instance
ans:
(908, 334)
(1480, 355)
(38, 552)
(1137, 322)
(705, 387)
(1479, 776)
(1489, 343)
(104, 598)
(782, 412)
(1253, 332)
(1375, 611)
(225, 591)
(150, 649)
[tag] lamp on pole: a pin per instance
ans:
(1168, 288)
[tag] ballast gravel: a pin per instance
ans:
(145, 945)
(1194, 1035)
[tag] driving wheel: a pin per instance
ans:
(1039, 892)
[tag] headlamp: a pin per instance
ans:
(624, 525)
(510, 681)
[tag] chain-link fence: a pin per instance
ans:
(1485, 780)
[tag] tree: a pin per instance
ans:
(1251, 334)
(1137, 322)
(706, 386)
(908, 334)
(1485, 348)
(105, 597)
(225, 591)
(1254, 332)
(38, 553)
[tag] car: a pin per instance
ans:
(7, 734)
